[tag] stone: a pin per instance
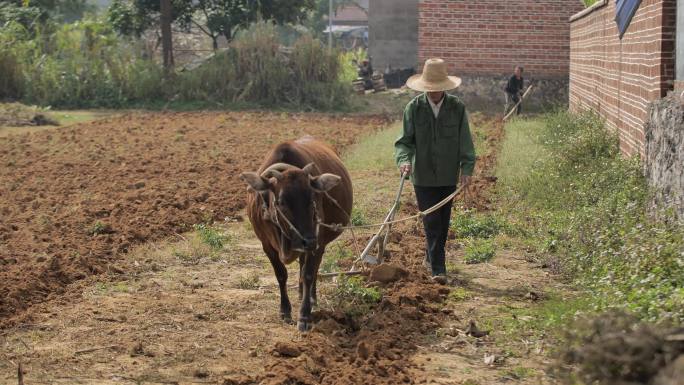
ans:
(672, 374)
(362, 350)
(286, 349)
(386, 273)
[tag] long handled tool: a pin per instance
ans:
(385, 227)
(365, 257)
(527, 91)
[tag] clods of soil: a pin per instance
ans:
(74, 199)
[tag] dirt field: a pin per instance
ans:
(170, 312)
(73, 199)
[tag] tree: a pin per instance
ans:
(215, 18)
(167, 40)
(31, 13)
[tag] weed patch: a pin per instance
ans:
(249, 282)
(332, 258)
(211, 237)
(469, 224)
(459, 294)
(352, 297)
(358, 218)
(478, 251)
(582, 202)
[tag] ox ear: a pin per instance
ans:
(309, 168)
(325, 182)
(255, 182)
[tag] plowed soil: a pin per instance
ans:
(174, 315)
(72, 200)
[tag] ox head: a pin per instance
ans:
(294, 190)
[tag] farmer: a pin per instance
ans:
(514, 89)
(435, 148)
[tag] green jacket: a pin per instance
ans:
(437, 149)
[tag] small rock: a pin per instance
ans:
(253, 353)
(287, 349)
(386, 273)
(672, 374)
(395, 237)
(137, 349)
(135, 186)
(533, 296)
(237, 380)
(201, 373)
(327, 326)
(474, 331)
(362, 350)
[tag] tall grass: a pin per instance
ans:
(257, 69)
(85, 64)
(588, 205)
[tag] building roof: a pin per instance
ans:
(350, 14)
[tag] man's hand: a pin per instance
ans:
(405, 169)
(465, 180)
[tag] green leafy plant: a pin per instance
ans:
(249, 282)
(358, 217)
(470, 224)
(478, 251)
(332, 258)
(211, 237)
(589, 208)
(351, 296)
(99, 228)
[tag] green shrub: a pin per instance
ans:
(469, 224)
(590, 206)
(332, 258)
(358, 217)
(211, 237)
(352, 297)
(255, 69)
(85, 64)
(478, 251)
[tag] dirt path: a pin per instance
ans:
(182, 313)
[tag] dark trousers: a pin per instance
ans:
(514, 99)
(436, 225)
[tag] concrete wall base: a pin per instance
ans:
(664, 157)
(486, 93)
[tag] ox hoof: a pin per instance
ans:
(304, 325)
(287, 318)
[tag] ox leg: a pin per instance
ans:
(308, 277)
(281, 275)
(318, 260)
(302, 259)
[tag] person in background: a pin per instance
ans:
(514, 89)
(436, 149)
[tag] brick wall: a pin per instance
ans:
(489, 37)
(620, 78)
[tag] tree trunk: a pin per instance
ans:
(214, 42)
(167, 42)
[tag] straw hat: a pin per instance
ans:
(434, 78)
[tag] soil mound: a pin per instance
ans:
(374, 349)
(617, 348)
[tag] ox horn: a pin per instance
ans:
(275, 170)
(309, 168)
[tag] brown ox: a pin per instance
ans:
(287, 203)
